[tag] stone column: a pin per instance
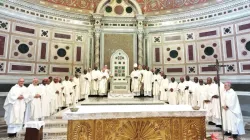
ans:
(145, 52)
(97, 49)
(140, 48)
(97, 30)
(140, 30)
(90, 58)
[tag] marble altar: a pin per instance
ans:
(132, 122)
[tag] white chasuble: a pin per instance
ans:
(35, 103)
(136, 80)
(53, 98)
(147, 81)
(103, 83)
(46, 99)
(188, 93)
(68, 91)
(233, 117)
(95, 75)
(164, 89)
(85, 82)
(15, 108)
(181, 93)
(156, 85)
(172, 95)
(76, 82)
(215, 103)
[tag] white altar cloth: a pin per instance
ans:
(131, 111)
(34, 124)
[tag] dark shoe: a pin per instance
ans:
(220, 126)
(63, 108)
(228, 134)
(235, 136)
(211, 123)
(12, 135)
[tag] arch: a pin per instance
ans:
(104, 2)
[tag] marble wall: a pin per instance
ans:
(113, 42)
(192, 51)
(35, 49)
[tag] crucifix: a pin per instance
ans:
(217, 66)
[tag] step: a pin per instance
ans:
(56, 124)
(212, 128)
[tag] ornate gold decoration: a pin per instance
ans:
(169, 128)
(138, 130)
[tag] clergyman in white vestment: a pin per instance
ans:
(188, 91)
(147, 82)
(57, 88)
(172, 92)
(85, 82)
(156, 84)
(34, 112)
(67, 91)
(181, 91)
(194, 100)
(164, 89)
(103, 84)
(15, 107)
(215, 103)
(204, 101)
(95, 77)
(136, 80)
(46, 98)
(76, 81)
(233, 118)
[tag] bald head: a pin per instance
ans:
(21, 82)
(227, 86)
(209, 80)
(216, 80)
(45, 81)
(182, 79)
(35, 81)
(56, 79)
(201, 82)
(196, 79)
(187, 78)
(172, 79)
(66, 78)
(164, 76)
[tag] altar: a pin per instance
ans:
(136, 122)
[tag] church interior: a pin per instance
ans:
(58, 38)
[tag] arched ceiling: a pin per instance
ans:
(150, 7)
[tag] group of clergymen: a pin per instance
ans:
(193, 93)
(38, 101)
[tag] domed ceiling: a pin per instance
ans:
(147, 6)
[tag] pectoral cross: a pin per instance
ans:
(217, 67)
